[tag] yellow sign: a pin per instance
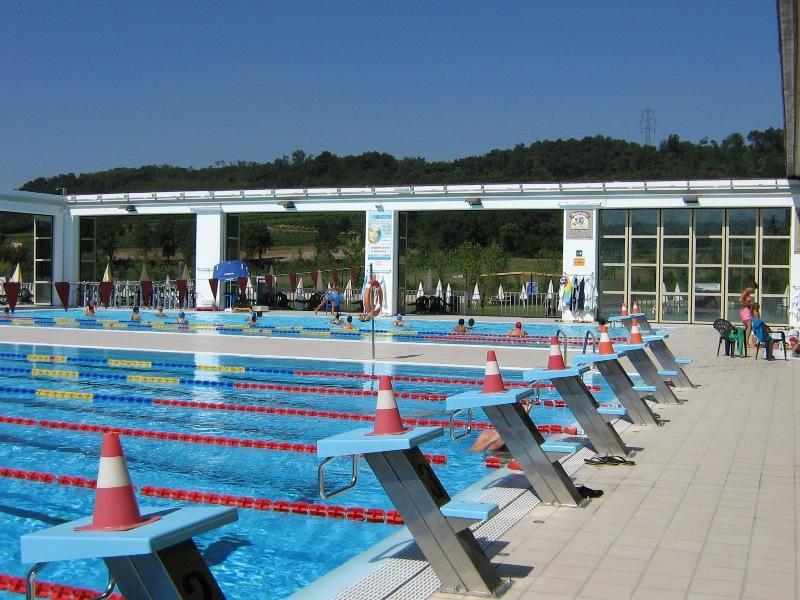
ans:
(578, 262)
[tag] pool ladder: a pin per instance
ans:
(559, 335)
(593, 336)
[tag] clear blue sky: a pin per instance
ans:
(93, 85)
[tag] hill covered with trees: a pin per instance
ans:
(598, 158)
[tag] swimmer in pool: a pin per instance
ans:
(135, 316)
(349, 324)
(181, 320)
(518, 331)
(460, 329)
(336, 320)
(160, 314)
(253, 318)
(89, 310)
(398, 321)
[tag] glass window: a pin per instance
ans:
(643, 279)
(44, 226)
(775, 310)
(739, 277)
(676, 221)
(644, 221)
(741, 251)
(708, 251)
(612, 222)
(612, 278)
(707, 308)
(775, 251)
(612, 250)
(87, 227)
(676, 251)
(707, 279)
(232, 249)
(742, 221)
(675, 279)
(43, 292)
(610, 303)
(775, 221)
(643, 250)
(774, 281)
(647, 304)
(87, 271)
(44, 248)
(43, 270)
(708, 221)
(675, 308)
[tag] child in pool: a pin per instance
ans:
(336, 320)
(349, 325)
(135, 316)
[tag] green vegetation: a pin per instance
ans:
(16, 244)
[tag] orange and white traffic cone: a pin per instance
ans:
(605, 346)
(492, 380)
(623, 311)
(387, 415)
(556, 360)
(636, 335)
(115, 506)
(635, 307)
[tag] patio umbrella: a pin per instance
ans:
(106, 285)
(678, 289)
(353, 275)
(213, 283)
(438, 289)
(320, 284)
(12, 288)
(448, 295)
(429, 281)
(147, 287)
(550, 292)
(523, 293)
(664, 297)
(313, 279)
(183, 285)
(299, 289)
(501, 295)
(249, 288)
(420, 291)
(476, 293)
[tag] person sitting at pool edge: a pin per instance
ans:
(160, 314)
(460, 329)
(336, 320)
(181, 320)
(349, 325)
(135, 316)
(398, 321)
(518, 331)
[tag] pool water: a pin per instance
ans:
(283, 325)
(267, 553)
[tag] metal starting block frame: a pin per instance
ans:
(641, 320)
(549, 481)
(157, 561)
(658, 346)
(622, 386)
(569, 384)
(648, 371)
(440, 527)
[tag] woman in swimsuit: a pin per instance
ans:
(746, 312)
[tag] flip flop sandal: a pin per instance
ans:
(600, 461)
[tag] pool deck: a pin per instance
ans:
(708, 512)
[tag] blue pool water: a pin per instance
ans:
(265, 550)
(307, 325)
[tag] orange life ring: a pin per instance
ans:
(373, 300)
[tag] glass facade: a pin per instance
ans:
(690, 265)
(42, 259)
(232, 250)
(88, 256)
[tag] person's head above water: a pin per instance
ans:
(518, 325)
(399, 317)
(136, 310)
(471, 322)
(337, 315)
(349, 318)
(461, 322)
(181, 314)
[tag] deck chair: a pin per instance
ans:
(772, 338)
(732, 336)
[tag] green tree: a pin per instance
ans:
(108, 237)
(256, 237)
(167, 239)
(143, 236)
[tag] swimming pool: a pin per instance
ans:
(217, 426)
(307, 326)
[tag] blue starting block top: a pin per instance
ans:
(617, 411)
(62, 542)
(476, 399)
(667, 373)
(359, 441)
(684, 361)
(544, 374)
(630, 347)
(645, 389)
(619, 318)
(582, 359)
(655, 338)
(474, 511)
(560, 446)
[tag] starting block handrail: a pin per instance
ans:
(586, 341)
(559, 334)
(453, 435)
(30, 583)
(321, 477)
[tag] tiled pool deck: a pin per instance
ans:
(709, 510)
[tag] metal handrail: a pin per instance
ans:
(30, 583)
(453, 435)
(321, 477)
(586, 341)
(559, 334)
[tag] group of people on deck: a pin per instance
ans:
(756, 331)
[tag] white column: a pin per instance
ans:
(381, 249)
(580, 252)
(66, 247)
(794, 267)
(209, 251)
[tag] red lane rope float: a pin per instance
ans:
(46, 589)
(296, 507)
(334, 391)
(436, 459)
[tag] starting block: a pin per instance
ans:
(647, 370)
(157, 561)
(658, 346)
(569, 383)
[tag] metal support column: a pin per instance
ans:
(648, 372)
(579, 399)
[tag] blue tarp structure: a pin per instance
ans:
(231, 270)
